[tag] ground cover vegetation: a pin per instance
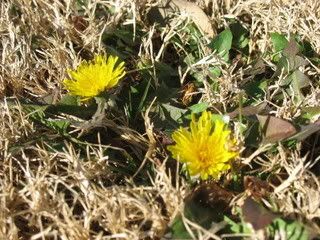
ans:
(159, 119)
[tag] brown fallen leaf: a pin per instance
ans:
(275, 129)
(250, 110)
(256, 215)
(161, 13)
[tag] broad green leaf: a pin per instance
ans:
(297, 76)
(257, 67)
(215, 72)
(38, 113)
(289, 64)
(69, 100)
(234, 227)
(35, 111)
(290, 59)
(222, 43)
(126, 35)
(58, 125)
(199, 76)
(165, 94)
(175, 113)
(199, 107)
(291, 230)
(310, 112)
(83, 112)
(284, 64)
(260, 218)
(166, 74)
(178, 230)
(279, 41)
(299, 81)
(219, 117)
(294, 83)
(256, 89)
(306, 49)
(133, 90)
(240, 35)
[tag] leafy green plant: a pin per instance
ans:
(222, 43)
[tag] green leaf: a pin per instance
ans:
(218, 117)
(292, 230)
(69, 100)
(290, 59)
(199, 107)
(215, 72)
(234, 227)
(279, 41)
(133, 90)
(81, 3)
(222, 43)
(82, 112)
(256, 89)
(289, 64)
(166, 74)
(60, 126)
(139, 94)
(174, 112)
(178, 230)
(189, 59)
(38, 113)
(35, 111)
(306, 49)
(294, 83)
(165, 94)
(310, 112)
(240, 35)
(299, 81)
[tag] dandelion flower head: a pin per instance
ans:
(93, 77)
(206, 148)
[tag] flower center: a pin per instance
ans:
(204, 155)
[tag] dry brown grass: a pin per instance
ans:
(50, 194)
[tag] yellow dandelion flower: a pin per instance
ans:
(206, 148)
(93, 77)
